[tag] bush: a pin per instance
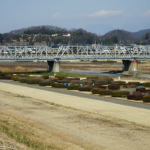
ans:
(146, 98)
(45, 82)
(95, 90)
(24, 75)
(97, 84)
(114, 86)
(60, 77)
(134, 83)
(84, 88)
(140, 89)
(91, 78)
(60, 85)
(104, 80)
(6, 77)
(73, 87)
(146, 92)
(72, 78)
(119, 93)
(45, 77)
(15, 77)
(105, 92)
(137, 93)
(135, 97)
(63, 81)
(146, 84)
(84, 82)
(33, 80)
(22, 80)
(118, 82)
(53, 84)
(54, 79)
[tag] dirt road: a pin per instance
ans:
(36, 119)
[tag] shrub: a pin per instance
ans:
(84, 88)
(137, 93)
(114, 86)
(60, 77)
(73, 87)
(146, 92)
(91, 78)
(6, 77)
(135, 97)
(140, 89)
(146, 98)
(63, 81)
(54, 79)
(134, 83)
(2, 74)
(95, 90)
(97, 84)
(84, 82)
(146, 84)
(45, 82)
(72, 78)
(22, 80)
(104, 80)
(33, 80)
(24, 75)
(51, 78)
(53, 84)
(60, 85)
(119, 93)
(118, 82)
(45, 77)
(15, 77)
(105, 92)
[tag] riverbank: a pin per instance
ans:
(60, 121)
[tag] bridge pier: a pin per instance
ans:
(129, 65)
(53, 66)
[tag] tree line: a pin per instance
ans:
(78, 36)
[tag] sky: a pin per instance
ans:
(96, 16)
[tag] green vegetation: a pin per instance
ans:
(104, 92)
(146, 98)
(84, 88)
(119, 93)
(45, 82)
(15, 77)
(95, 90)
(60, 85)
(73, 87)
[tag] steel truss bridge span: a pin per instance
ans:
(31, 53)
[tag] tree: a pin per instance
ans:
(7, 37)
(147, 36)
(1, 38)
(58, 40)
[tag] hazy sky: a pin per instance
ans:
(98, 16)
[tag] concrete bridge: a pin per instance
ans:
(128, 54)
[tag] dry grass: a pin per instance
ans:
(16, 69)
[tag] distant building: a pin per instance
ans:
(66, 34)
(54, 34)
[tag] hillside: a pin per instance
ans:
(141, 33)
(54, 35)
(122, 35)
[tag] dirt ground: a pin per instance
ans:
(59, 122)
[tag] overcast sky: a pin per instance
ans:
(98, 16)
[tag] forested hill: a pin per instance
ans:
(121, 35)
(55, 35)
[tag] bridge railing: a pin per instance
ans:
(73, 52)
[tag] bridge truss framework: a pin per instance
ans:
(30, 53)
